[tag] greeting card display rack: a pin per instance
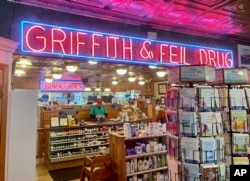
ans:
(194, 122)
(237, 112)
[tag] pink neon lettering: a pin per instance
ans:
(145, 52)
(162, 54)
(230, 65)
(203, 52)
(45, 39)
(71, 43)
(184, 56)
(78, 43)
(221, 59)
(94, 44)
(37, 37)
(212, 58)
(172, 53)
(46, 85)
(127, 48)
(108, 38)
(59, 41)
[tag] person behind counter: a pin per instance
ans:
(98, 112)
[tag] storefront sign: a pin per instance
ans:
(61, 86)
(40, 38)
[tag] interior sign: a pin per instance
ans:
(61, 86)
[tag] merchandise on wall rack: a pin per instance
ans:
(198, 112)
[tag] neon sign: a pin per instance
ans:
(69, 42)
(61, 86)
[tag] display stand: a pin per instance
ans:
(198, 153)
(140, 156)
(237, 129)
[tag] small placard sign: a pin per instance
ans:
(197, 73)
(239, 75)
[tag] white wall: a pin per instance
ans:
(21, 159)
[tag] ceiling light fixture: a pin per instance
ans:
(152, 66)
(56, 72)
(71, 67)
(131, 79)
(20, 72)
(121, 71)
(98, 89)
(114, 82)
(107, 90)
(141, 82)
(48, 78)
(92, 62)
(24, 62)
(161, 73)
(56, 75)
(87, 89)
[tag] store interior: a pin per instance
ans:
(100, 79)
(134, 92)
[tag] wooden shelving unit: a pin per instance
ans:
(66, 146)
(118, 144)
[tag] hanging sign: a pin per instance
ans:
(197, 73)
(238, 75)
(61, 86)
(38, 38)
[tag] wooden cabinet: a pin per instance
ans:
(154, 161)
(66, 146)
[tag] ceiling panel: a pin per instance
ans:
(204, 17)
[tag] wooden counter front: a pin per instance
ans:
(83, 113)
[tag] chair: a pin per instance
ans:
(96, 168)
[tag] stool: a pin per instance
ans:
(96, 168)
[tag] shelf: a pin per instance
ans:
(66, 158)
(82, 134)
(74, 157)
(76, 141)
(146, 154)
(147, 171)
(79, 147)
(145, 137)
